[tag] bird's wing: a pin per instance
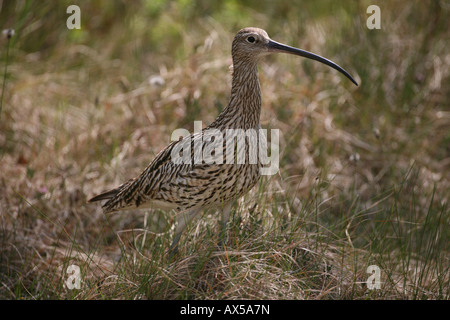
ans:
(176, 164)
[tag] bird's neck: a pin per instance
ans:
(244, 109)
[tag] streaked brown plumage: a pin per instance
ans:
(189, 188)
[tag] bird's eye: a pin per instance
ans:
(251, 39)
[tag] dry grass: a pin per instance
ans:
(364, 175)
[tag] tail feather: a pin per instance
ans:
(115, 199)
(105, 195)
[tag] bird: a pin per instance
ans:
(189, 187)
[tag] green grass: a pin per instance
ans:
(364, 171)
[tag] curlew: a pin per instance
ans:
(191, 186)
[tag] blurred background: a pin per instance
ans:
(85, 110)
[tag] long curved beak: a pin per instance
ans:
(274, 46)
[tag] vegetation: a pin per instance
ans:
(364, 175)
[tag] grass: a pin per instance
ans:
(364, 172)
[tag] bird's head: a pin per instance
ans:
(250, 44)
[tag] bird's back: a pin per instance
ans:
(176, 181)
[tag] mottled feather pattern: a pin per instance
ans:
(185, 186)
